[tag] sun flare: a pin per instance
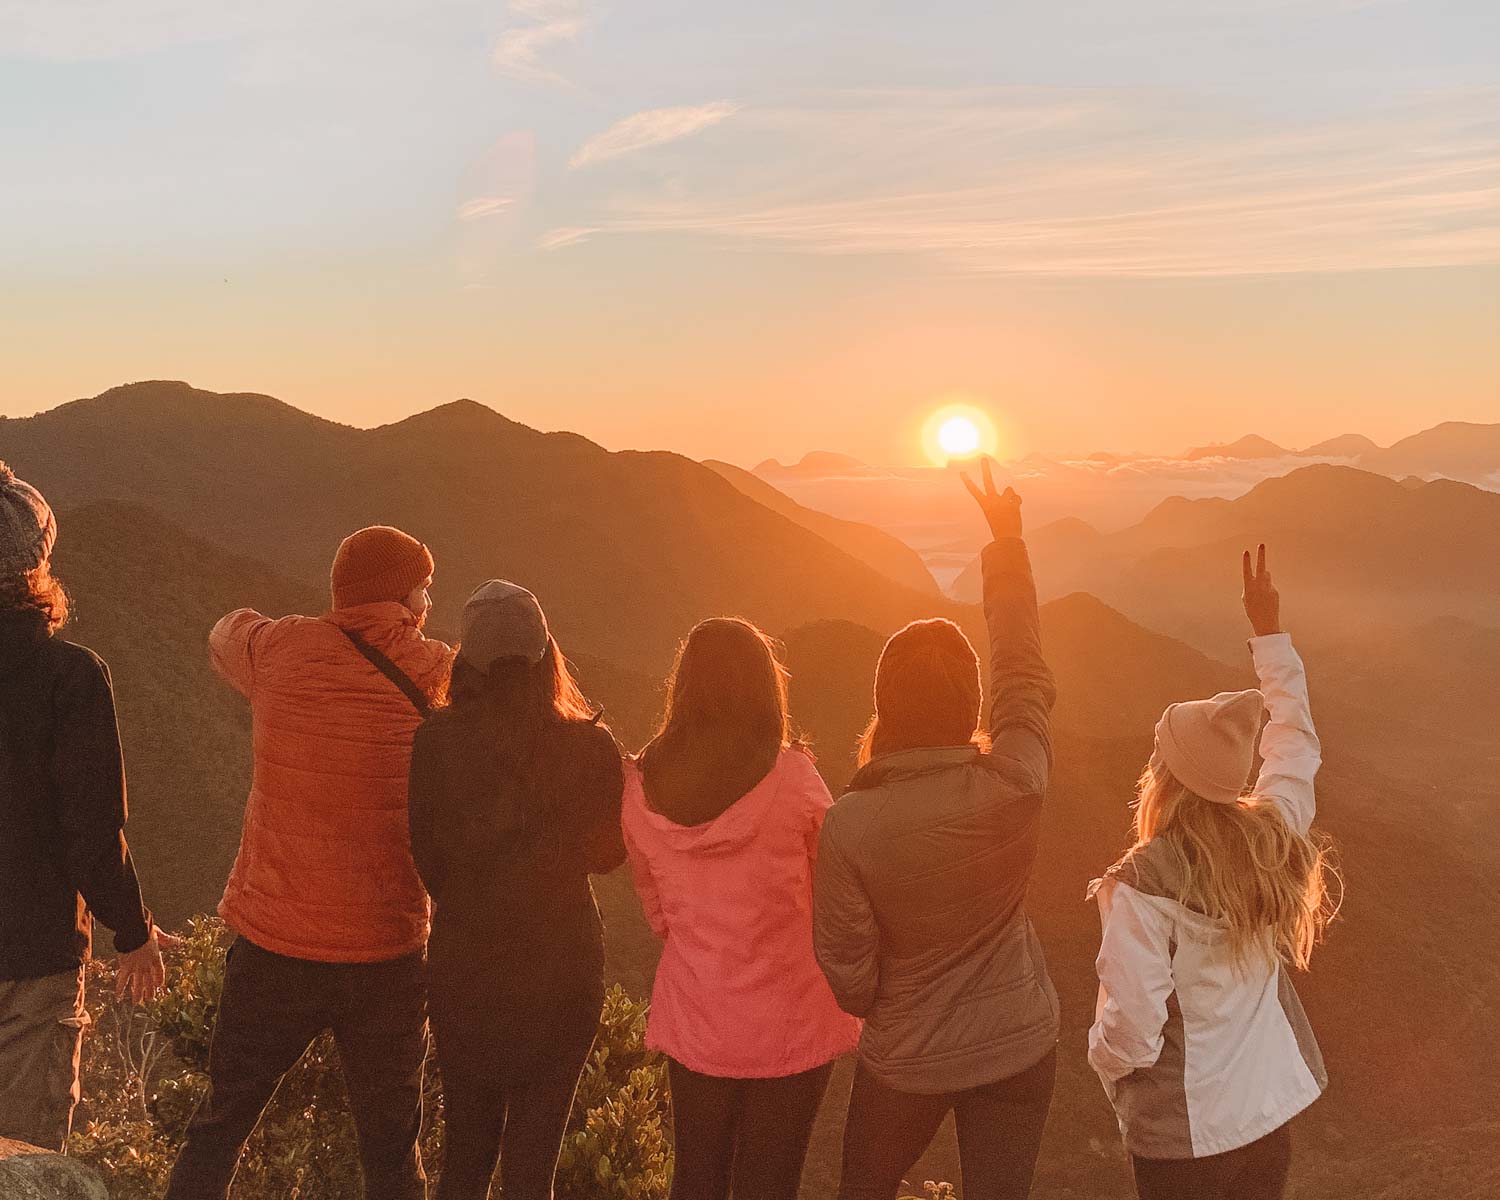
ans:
(958, 431)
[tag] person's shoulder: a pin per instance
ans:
(73, 660)
(1152, 869)
(591, 739)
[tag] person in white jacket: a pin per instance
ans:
(1199, 1038)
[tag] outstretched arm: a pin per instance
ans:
(1289, 744)
(1022, 690)
(231, 647)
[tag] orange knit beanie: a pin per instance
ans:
(378, 563)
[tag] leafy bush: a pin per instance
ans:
(144, 1070)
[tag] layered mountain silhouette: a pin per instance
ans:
(177, 506)
(1252, 445)
(888, 555)
(626, 550)
(1348, 445)
(1455, 449)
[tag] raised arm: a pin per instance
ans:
(1022, 690)
(1289, 744)
(846, 938)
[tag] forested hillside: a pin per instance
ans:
(1405, 996)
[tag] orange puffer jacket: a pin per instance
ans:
(324, 870)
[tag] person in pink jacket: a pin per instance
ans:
(722, 814)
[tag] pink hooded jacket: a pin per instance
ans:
(738, 992)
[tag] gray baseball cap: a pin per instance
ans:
(502, 620)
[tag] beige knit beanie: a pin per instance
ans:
(28, 530)
(1209, 745)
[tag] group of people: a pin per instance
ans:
(423, 822)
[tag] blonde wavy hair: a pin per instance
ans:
(1242, 864)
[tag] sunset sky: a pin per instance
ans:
(756, 229)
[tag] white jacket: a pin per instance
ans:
(1200, 1056)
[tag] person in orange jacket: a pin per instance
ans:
(330, 916)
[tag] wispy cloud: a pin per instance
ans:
(651, 128)
(1039, 181)
(540, 25)
(565, 235)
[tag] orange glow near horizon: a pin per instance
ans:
(959, 431)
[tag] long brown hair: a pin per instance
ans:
(518, 698)
(728, 675)
(927, 692)
(1241, 864)
(726, 698)
(36, 595)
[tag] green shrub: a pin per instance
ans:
(144, 1070)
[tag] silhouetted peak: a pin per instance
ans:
(1252, 445)
(1346, 445)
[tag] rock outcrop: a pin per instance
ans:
(27, 1173)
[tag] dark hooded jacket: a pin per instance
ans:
(63, 855)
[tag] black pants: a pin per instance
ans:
(272, 1010)
(745, 1137)
(1254, 1172)
(999, 1134)
(498, 1111)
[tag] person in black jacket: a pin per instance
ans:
(514, 801)
(63, 856)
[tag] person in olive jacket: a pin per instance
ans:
(919, 920)
(63, 855)
(514, 801)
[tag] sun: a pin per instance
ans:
(959, 437)
(958, 431)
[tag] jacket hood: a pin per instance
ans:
(905, 764)
(736, 822)
(697, 783)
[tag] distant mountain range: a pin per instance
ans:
(626, 550)
(178, 505)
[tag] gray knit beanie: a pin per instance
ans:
(28, 530)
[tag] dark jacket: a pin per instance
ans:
(919, 919)
(62, 807)
(517, 950)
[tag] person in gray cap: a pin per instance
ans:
(514, 801)
(63, 855)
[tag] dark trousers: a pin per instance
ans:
(999, 1134)
(1254, 1172)
(517, 1117)
(272, 1010)
(745, 1137)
